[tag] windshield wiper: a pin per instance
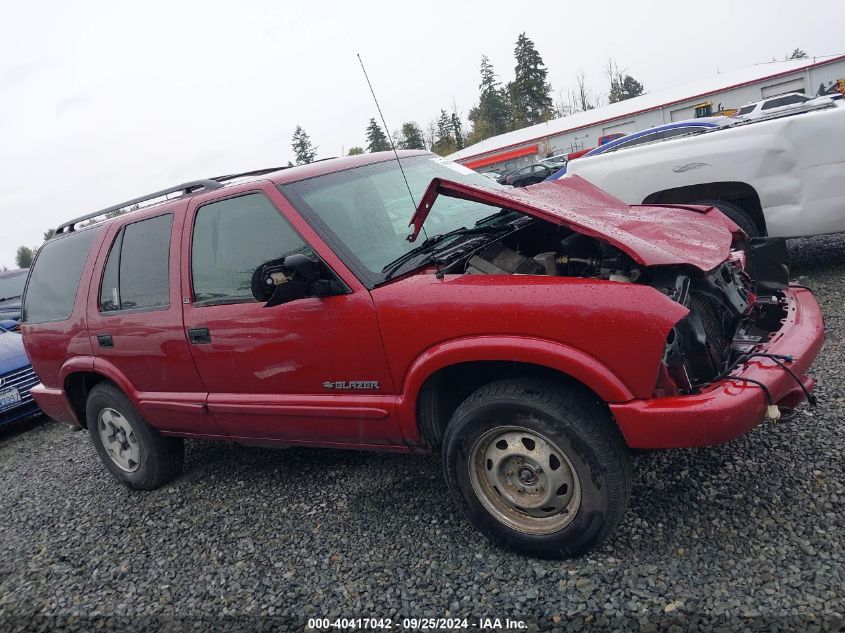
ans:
(426, 248)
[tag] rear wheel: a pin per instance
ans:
(739, 216)
(132, 451)
(538, 467)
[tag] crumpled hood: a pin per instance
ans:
(651, 235)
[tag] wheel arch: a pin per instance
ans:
(443, 377)
(739, 193)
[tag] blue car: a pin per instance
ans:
(11, 289)
(16, 377)
(657, 133)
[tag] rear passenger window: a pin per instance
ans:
(232, 238)
(137, 273)
(54, 278)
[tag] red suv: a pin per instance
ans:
(531, 336)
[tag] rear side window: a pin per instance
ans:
(232, 238)
(54, 279)
(746, 109)
(137, 274)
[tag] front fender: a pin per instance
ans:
(521, 349)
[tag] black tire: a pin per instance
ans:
(739, 216)
(578, 425)
(159, 458)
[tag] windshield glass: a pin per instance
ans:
(12, 285)
(365, 211)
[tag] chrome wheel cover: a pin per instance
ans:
(119, 440)
(524, 480)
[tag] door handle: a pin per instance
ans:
(199, 335)
(105, 340)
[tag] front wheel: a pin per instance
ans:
(538, 467)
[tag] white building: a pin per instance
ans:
(701, 98)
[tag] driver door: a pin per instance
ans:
(311, 370)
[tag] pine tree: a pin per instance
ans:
(622, 85)
(457, 130)
(376, 139)
(355, 151)
(531, 100)
(444, 142)
(412, 136)
(798, 54)
(303, 150)
(492, 115)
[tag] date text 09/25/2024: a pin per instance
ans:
(416, 624)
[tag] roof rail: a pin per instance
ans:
(186, 188)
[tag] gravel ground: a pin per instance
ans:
(744, 536)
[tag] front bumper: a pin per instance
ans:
(729, 408)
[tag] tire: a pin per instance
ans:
(137, 455)
(590, 470)
(735, 213)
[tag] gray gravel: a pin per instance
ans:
(747, 536)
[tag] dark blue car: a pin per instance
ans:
(11, 289)
(657, 133)
(16, 377)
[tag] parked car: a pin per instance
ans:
(492, 175)
(780, 103)
(554, 162)
(533, 337)
(525, 176)
(652, 135)
(11, 289)
(16, 377)
(796, 194)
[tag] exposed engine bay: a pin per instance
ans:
(729, 312)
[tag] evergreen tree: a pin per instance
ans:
(492, 115)
(798, 54)
(444, 142)
(354, 151)
(376, 138)
(412, 136)
(23, 258)
(48, 234)
(622, 85)
(303, 150)
(531, 100)
(457, 130)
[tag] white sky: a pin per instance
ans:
(104, 101)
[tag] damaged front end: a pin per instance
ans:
(742, 349)
(733, 310)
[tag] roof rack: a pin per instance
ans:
(186, 188)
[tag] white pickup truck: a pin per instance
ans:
(782, 176)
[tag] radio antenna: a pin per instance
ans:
(389, 137)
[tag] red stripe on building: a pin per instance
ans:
(500, 158)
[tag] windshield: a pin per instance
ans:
(365, 212)
(12, 285)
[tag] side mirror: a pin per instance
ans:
(307, 268)
(296, 277)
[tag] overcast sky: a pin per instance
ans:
(103, 101)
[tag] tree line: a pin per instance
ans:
(526, 100)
